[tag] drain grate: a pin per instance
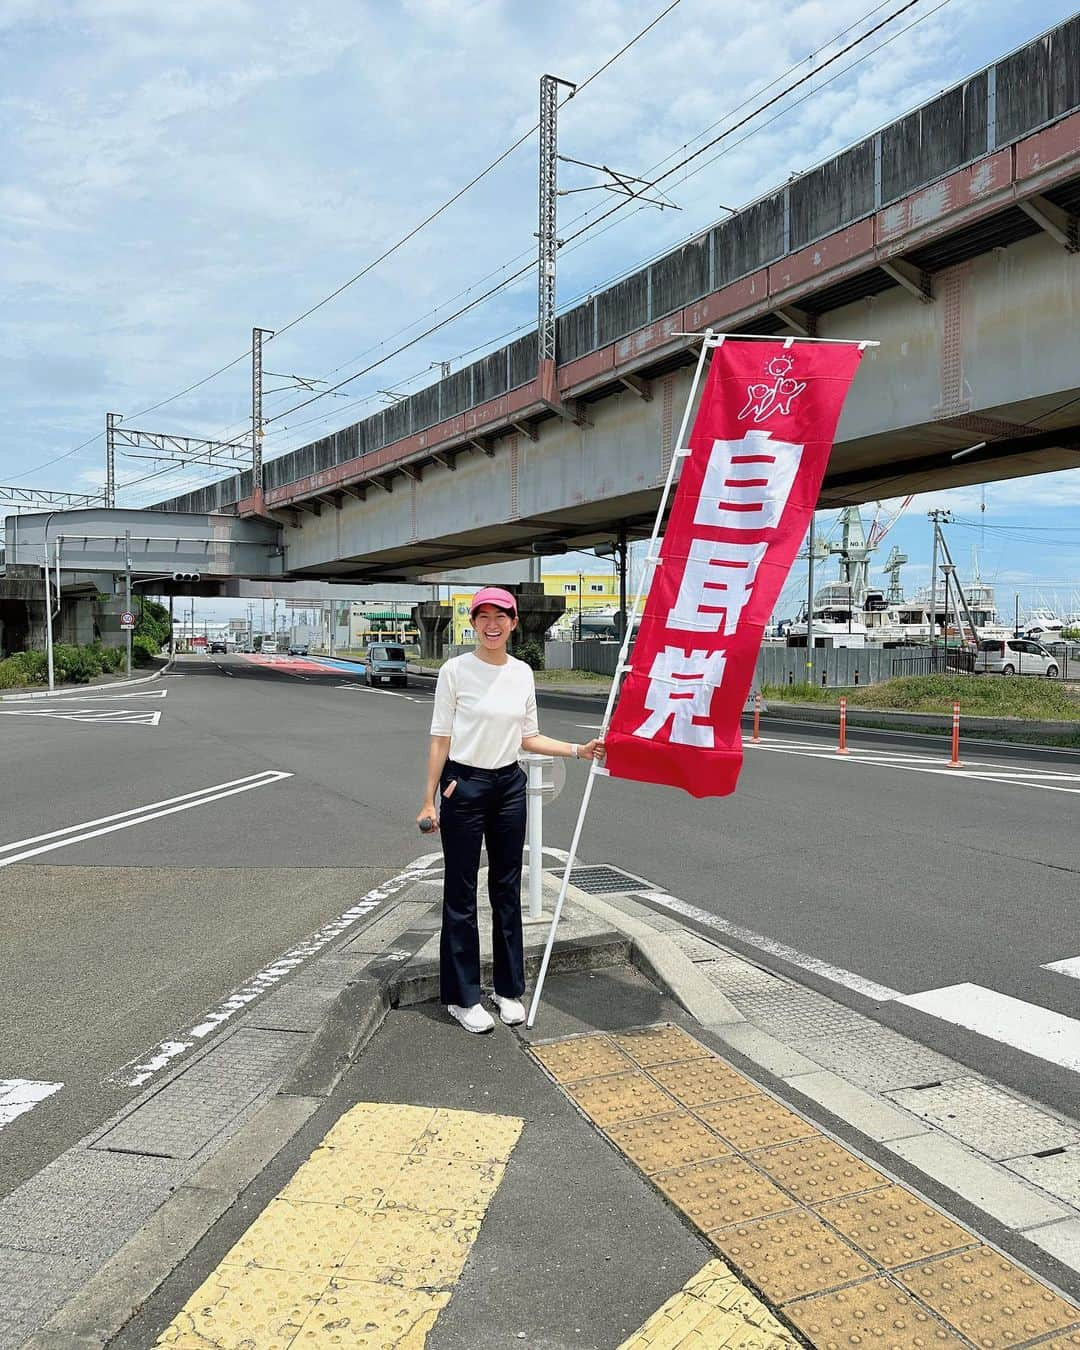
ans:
(602, 880)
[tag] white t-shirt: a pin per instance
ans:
(486, 710)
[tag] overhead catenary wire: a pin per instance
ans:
(387, 253)
(591, 226)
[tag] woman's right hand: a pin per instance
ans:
(427, 812)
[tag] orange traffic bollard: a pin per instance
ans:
(757, 718)
(955, 734)
(842, 747)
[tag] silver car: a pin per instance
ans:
(1015, 656)
(386, 664)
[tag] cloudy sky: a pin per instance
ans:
(177, 173)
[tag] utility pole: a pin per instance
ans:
(48, 622)
(621, 550)
(127, 595)
(257, 335)
(546, 232)
(111, 420)
(937, 517)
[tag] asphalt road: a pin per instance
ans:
(279, 794)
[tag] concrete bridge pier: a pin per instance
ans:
(432, 619)
(536, 611)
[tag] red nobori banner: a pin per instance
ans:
(749, 484)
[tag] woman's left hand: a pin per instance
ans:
(593, 750)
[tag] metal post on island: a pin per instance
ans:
(757, 718)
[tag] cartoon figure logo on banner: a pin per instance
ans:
(762, 400)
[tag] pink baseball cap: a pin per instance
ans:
(493, 595)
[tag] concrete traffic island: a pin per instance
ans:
(676, 1156)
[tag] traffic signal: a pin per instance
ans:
(186, 576)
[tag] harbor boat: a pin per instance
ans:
(1044, 625)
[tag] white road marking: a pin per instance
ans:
(93, 693)
(1025, 1026)
(374, 689)
(138, 815)
(880, 993)
(138, 1072)
(990, 773)
(90, 716)
(1071, 967)
(19, 1095)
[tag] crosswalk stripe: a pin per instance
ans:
(19, 1095)
(1071, 967)
(1012, 1021)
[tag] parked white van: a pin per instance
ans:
(1015, 656)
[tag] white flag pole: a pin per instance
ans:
(679, 451)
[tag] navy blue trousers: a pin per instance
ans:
(486, 807)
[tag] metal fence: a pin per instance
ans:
(936, 661)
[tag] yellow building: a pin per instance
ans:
(583, 591)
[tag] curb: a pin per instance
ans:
(86, 689)
(900, 721)
(102, 1307)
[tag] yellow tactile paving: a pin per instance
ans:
(331, 1177)
(831, 1269)
(468, 1137)
(620, 1096)
(755, 1122)
(352, 1315)
(581, 1057)
(726, 1191)
(425, 1251)
(238, 1307)
(893, 1226)
(988, 1298)
(362, 1248)
(379, 1127)
(444, 1186)
(713, 1311)
(791, 1255)
(697, 1082)
(659, 1045)
(664, 1142)
(817, 1169)
(875, 1313)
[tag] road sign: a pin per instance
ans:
(127, 620)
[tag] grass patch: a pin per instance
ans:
(556, 677)
(980, 696)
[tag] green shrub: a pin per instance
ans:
(76, 665)
(532, 653)
(143, 650)
(112, 658)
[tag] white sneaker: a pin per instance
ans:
(476, 1019)
(511, 1010)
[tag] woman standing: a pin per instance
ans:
(485, 714)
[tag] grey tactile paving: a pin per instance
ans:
(796, 1015)
(879, 1058)
(985, 1118)
(733, 977)
(696, 948)
(1059, 1173)
(186, 1113)
(87, 1203)
(294, 1007)
(385, 929)
(32, 1286)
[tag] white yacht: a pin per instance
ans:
(838, 619)
(1044, 625)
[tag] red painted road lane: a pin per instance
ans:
(291, 665)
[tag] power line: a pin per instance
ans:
(400, 243)
(654, 182)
